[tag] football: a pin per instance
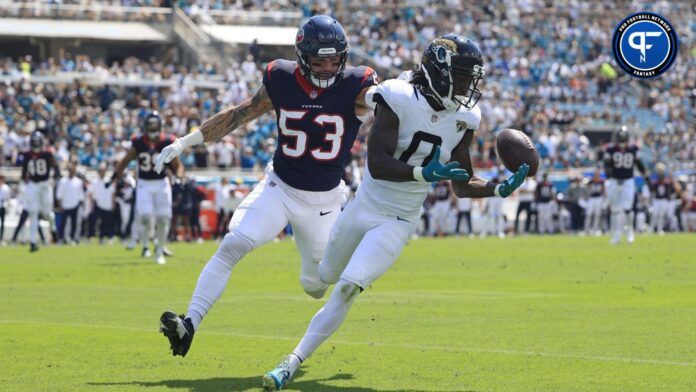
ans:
(515, 148)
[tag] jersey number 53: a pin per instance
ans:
(299, 148)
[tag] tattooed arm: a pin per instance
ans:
(216, 127)
(227, 120)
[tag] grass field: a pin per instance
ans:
(523, 314)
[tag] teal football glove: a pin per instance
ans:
(508, 186)
(436, 171)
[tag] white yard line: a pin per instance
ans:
(377, 344)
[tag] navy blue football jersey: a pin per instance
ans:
(442, 192)
(316, 127)
(146, 150)
(663, 188)
(620, 161)
(36, 166)
(545, 192)
(596, 188)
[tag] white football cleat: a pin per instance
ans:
(630, 237)
(159, 256)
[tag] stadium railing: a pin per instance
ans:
(92, 11)
(96, 79)
(196, 39)
(262, 18)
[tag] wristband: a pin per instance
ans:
(418, 174)
(496, 191)
(193, 138)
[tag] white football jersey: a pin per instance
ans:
(421, 129)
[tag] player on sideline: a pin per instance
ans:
(664, 191)
(593, 212)
(153, 189)
(36, 168)
(419, 124)
(620, 159)
(317, 102)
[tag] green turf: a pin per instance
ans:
(523, 314)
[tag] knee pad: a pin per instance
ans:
(313, 286)
(161, 220)
(232, 248)
(347, 290)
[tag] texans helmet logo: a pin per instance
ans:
(299, 37)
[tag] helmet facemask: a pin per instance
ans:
(621, 136)
(36, 142)
(322, 79)
(153, 127)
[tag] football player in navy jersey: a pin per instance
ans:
(620, 160)
(153, 198)
(664, 191)
(593, 211)
(36, 166)
(318, 102)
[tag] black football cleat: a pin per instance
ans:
(178, 330)
(33, 247)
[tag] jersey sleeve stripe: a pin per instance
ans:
(368, 71)
(269, 67)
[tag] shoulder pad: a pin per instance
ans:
(472, 117)
(364, 74)
(393, 92)
(279, 66)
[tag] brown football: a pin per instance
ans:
(515, 148)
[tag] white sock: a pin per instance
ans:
(327, 320)
(145, 230)
(33, 226)
(616, 223)
(629, 222)
(161, 231)
(294, 362)
(213, 279)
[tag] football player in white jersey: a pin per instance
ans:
(419, 125)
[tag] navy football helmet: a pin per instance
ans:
(453, 67)
(621, 135)
(321, 36)
(36, 141)
(152, 125)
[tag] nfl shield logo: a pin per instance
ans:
(313, 94)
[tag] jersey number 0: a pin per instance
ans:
(419, 137)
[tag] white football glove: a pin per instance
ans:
(168, 153)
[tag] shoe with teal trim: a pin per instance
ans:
(276, 379)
